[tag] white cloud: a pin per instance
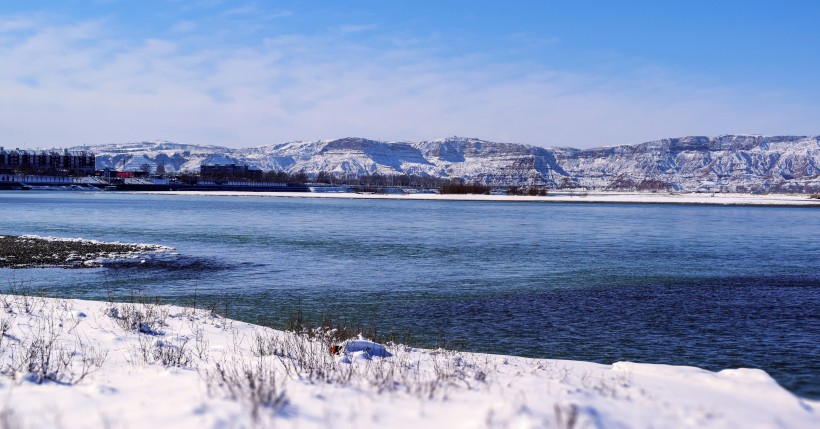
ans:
(80, 84)
(183, 26)
(12, 24)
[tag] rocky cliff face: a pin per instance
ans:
(726, 163)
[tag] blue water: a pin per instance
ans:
(714, 287)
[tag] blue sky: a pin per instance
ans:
(545, 73)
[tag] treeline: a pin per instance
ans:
(532, 191)
(252, 176)
(377, 180)
(465, 188)
(377, 183)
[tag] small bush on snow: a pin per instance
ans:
(253, 384)
(146, 317)
(41, 354)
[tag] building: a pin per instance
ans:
(74, 163)
(229, 171)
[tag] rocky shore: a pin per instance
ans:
(30, 251)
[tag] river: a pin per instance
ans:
(709, 286)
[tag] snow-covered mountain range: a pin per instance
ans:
(738, 163)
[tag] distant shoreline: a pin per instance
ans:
(719, 199)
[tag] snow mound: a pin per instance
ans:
(362, 348)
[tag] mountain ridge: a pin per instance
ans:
(731, 162)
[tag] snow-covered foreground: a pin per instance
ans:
(563, 197)
(71, 363)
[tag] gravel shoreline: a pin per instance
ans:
(42, 252)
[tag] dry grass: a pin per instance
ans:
(254, 371)
(38, 350)
(255, 384)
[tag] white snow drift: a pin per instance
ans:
(82, 364)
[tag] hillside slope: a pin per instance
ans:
(730, 163)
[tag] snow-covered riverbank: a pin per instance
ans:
(558, 197)
(73, 364)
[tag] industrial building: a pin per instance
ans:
(52, 162)
(229, 171)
